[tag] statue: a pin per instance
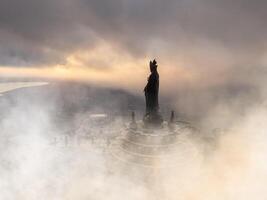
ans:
(133, 124)
(151, 90)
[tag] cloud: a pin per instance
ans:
(40, 32)
(44, 31)
(38, 163)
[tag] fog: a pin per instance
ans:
(48, 152)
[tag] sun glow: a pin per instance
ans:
(103, 65)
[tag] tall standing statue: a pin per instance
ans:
(151, 90)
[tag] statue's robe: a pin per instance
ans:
(151, 93)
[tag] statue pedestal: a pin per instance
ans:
(152, 120)
(152, 148)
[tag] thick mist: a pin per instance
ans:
(51, 148)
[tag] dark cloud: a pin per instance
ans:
(239, 24)
(40, 32)
(43, 31)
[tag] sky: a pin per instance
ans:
(199, 44)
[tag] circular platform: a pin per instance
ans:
(166, 146)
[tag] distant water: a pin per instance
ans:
(8, 86)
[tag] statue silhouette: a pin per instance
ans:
(151, 95)
(152, 89)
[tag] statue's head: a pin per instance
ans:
(153, 65)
